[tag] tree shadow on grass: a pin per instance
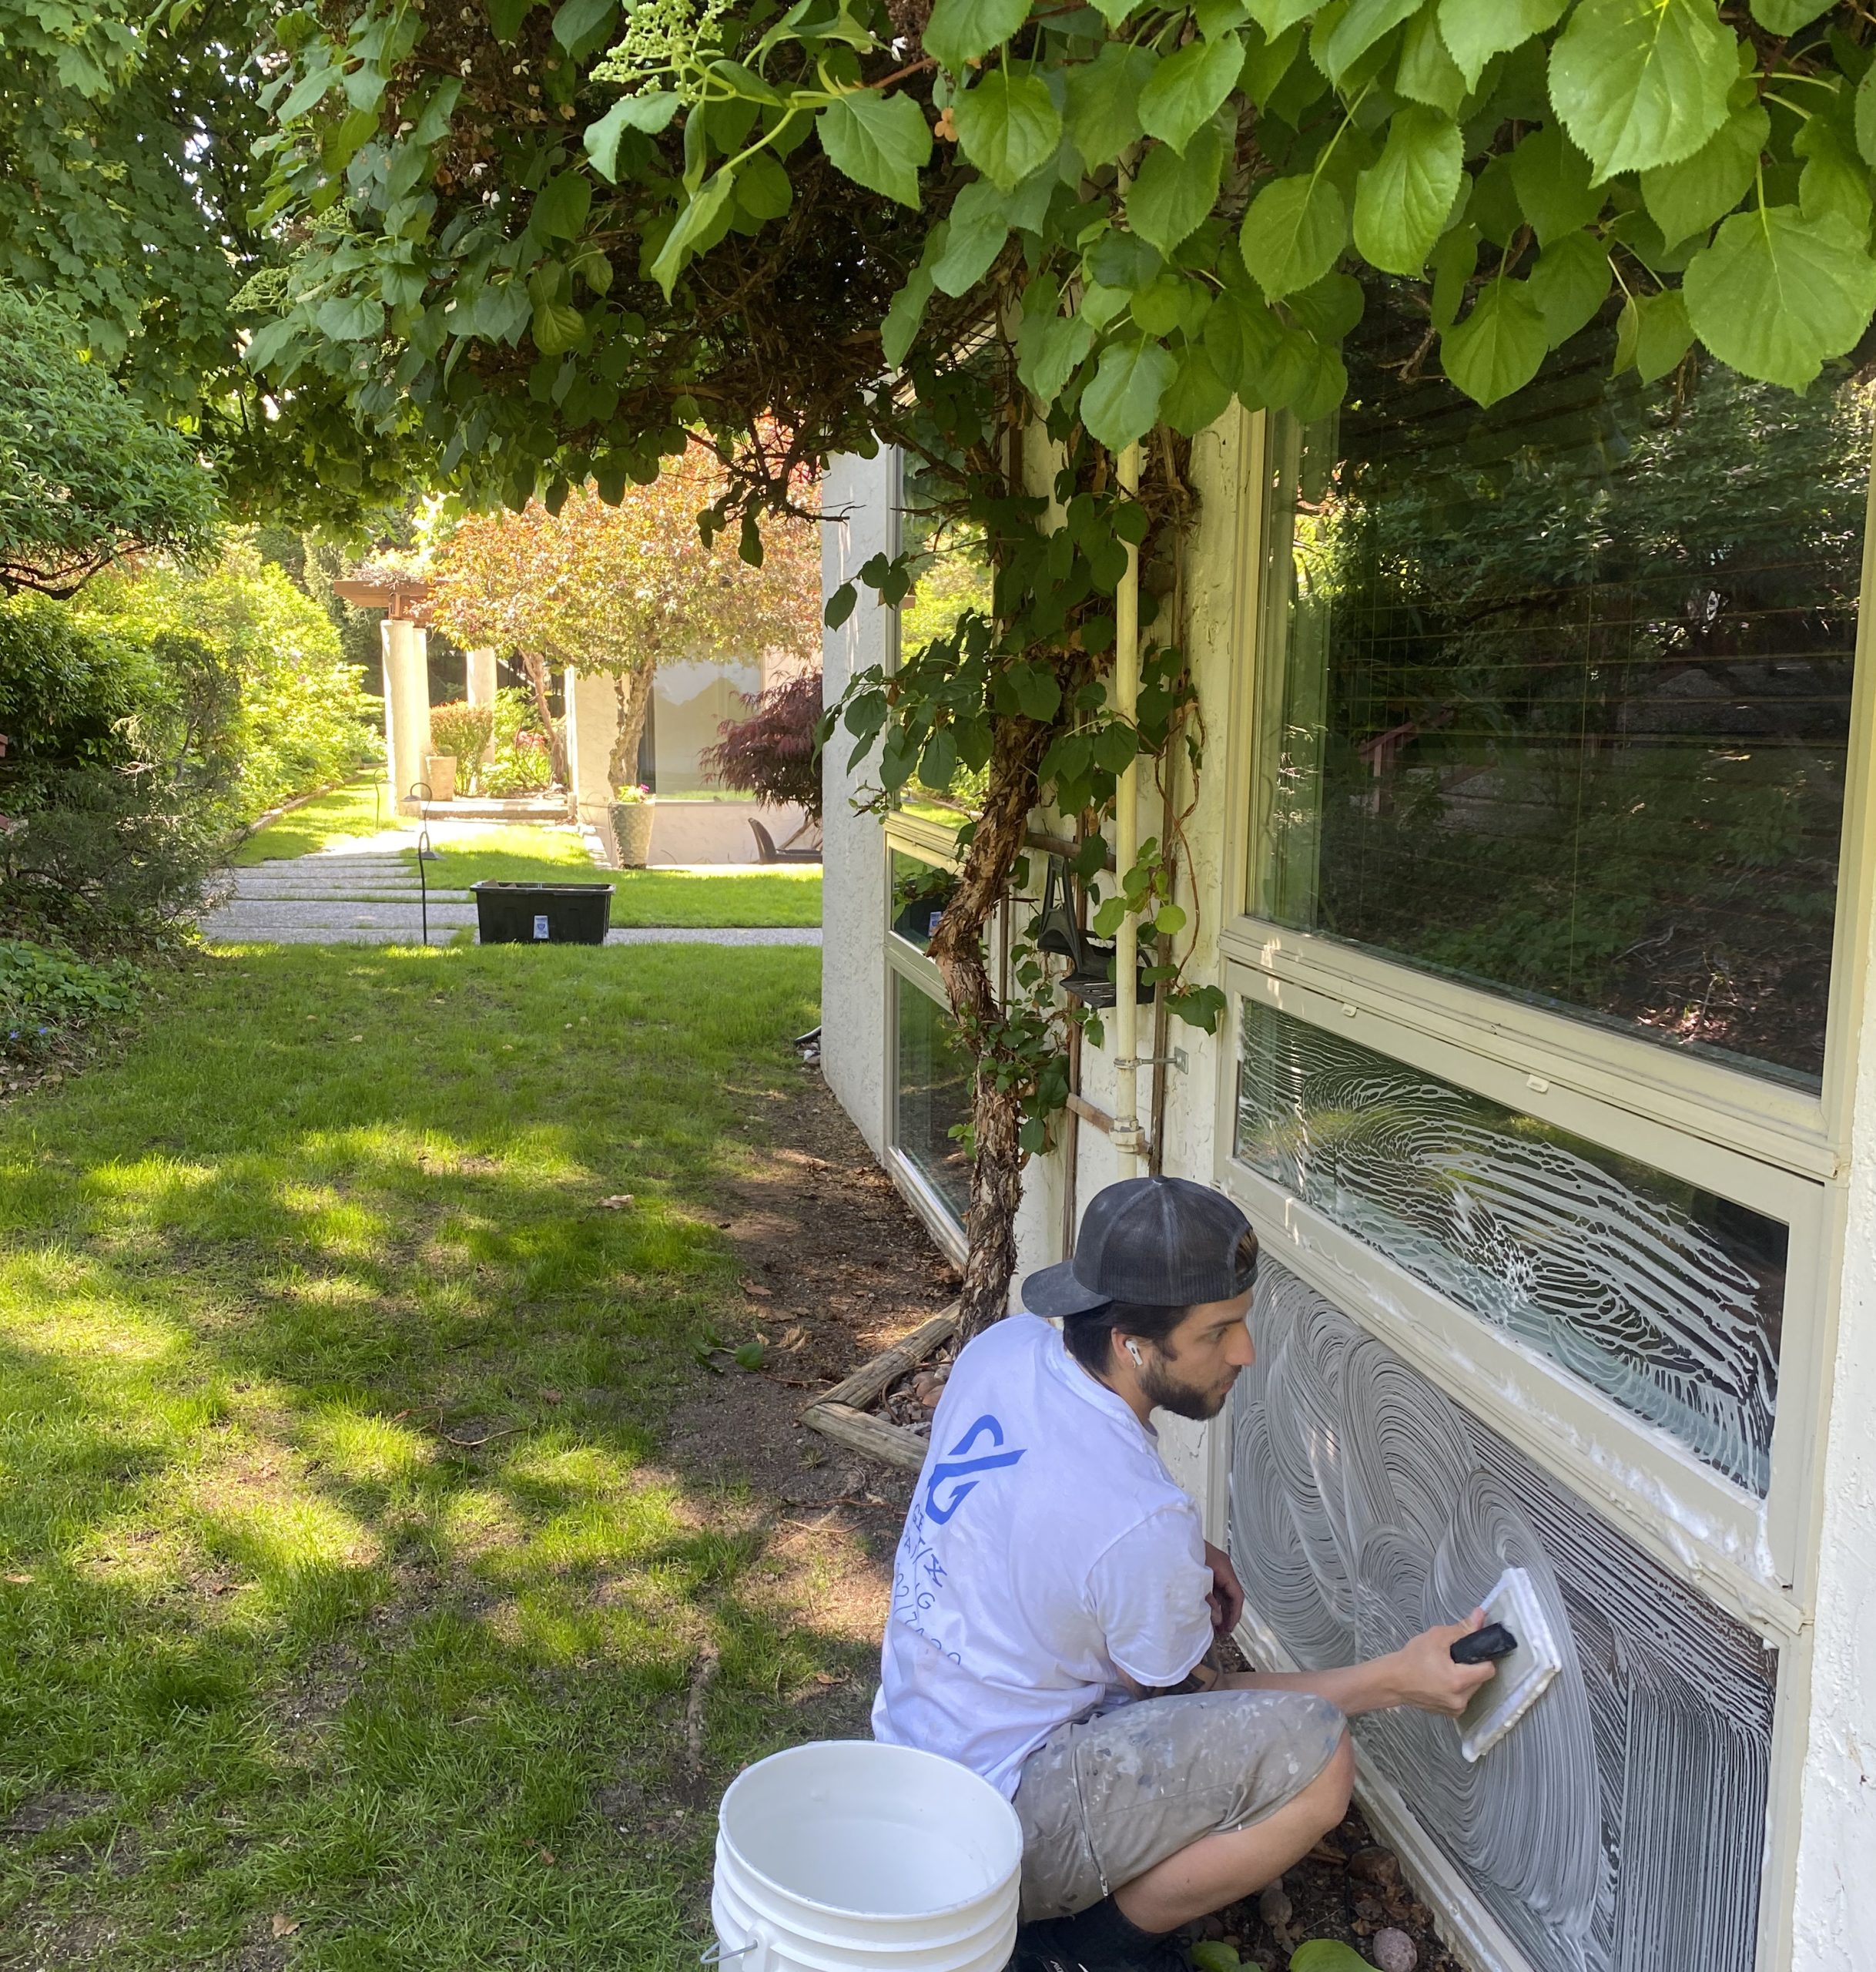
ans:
(349, 1585)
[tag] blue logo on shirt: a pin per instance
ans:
(958, 1467)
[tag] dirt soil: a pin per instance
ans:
(837, 1267)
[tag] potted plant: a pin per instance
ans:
(440, 775)
(634, 809)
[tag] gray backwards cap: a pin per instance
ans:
(1157, 1241)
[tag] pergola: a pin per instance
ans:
(405, 599)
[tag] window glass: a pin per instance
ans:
(933, 1098)
(920, 892)
(951, 577)
(1561, 698)
(1665, 1297)
(690, 698)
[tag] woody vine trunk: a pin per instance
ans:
(958, 949)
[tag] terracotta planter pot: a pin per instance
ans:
(439, 772)
(632, 830)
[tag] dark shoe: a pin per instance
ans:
(1097, 1940)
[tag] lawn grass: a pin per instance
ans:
(787, 895)
(337, 1577)
(355, 809)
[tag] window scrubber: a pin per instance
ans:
(1528, 1657)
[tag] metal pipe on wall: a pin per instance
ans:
(1126, 1133)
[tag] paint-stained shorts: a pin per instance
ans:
(1105, 1799)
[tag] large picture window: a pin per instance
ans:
(1560, 701)
(1663, 1296)
(932, 1098)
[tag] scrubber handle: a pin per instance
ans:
(1484, 1646)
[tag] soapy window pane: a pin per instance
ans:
(1666, 1298)
(1560, 701)
(933, 1095)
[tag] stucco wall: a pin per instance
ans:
(853, 983)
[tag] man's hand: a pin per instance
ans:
(1227, 1593)
(1424, 1673)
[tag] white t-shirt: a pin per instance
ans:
(1046, 1551)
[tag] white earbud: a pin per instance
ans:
(1132, 1350)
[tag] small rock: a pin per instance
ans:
(1394, 1951)
(619, 1202)
(1275, 1907)
(1374, 1864)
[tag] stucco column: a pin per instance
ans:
(479, 675)
(407, 708)
(592, 725)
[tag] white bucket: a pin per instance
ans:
(847, 1855)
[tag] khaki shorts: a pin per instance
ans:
(1103, 1800)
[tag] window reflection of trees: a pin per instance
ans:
(1566, 690)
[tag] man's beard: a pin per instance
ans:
(1165, 1392)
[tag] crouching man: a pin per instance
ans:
(1055, 1604)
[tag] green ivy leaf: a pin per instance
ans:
(1122, 401)
(1783, 17)
(1687, 198)
(1188, 89)
(1007, 125)
(1643, 82)
(1402, 200)
(1662, 335)
(1197, 397)
(649, 113)
(557, 327)
(1569, 284)
(959, 31)
(1866, 116)
(1426, 71)
(1277, 17)
(1474, 31)
(702, 212)
(1551, 178)
(1051, 352)
(307, 93)
(506, 17)
(840, 605)
(1240, 335)
(1171, 196)
(1497, 349)
(1328, 1955)
(1267, 62)
(880, 142)
(764, 190)
(1453, 262)
(1293, 233)
(902, 317)
(1833, 180)
(578, 21)
(978, 226)
(1213, 1955)
(351, 318)
(562, 205)
(1103, 115)
(1356, 31)
(1776, 294)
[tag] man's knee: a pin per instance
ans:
(1329, 1793)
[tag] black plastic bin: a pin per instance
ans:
(542, 913)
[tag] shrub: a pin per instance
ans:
(300, 720)
(463, 730)
(115, 786)
(522, 762)
(774, 751)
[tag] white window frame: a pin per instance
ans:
(908, 970)
(1724, 1127)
